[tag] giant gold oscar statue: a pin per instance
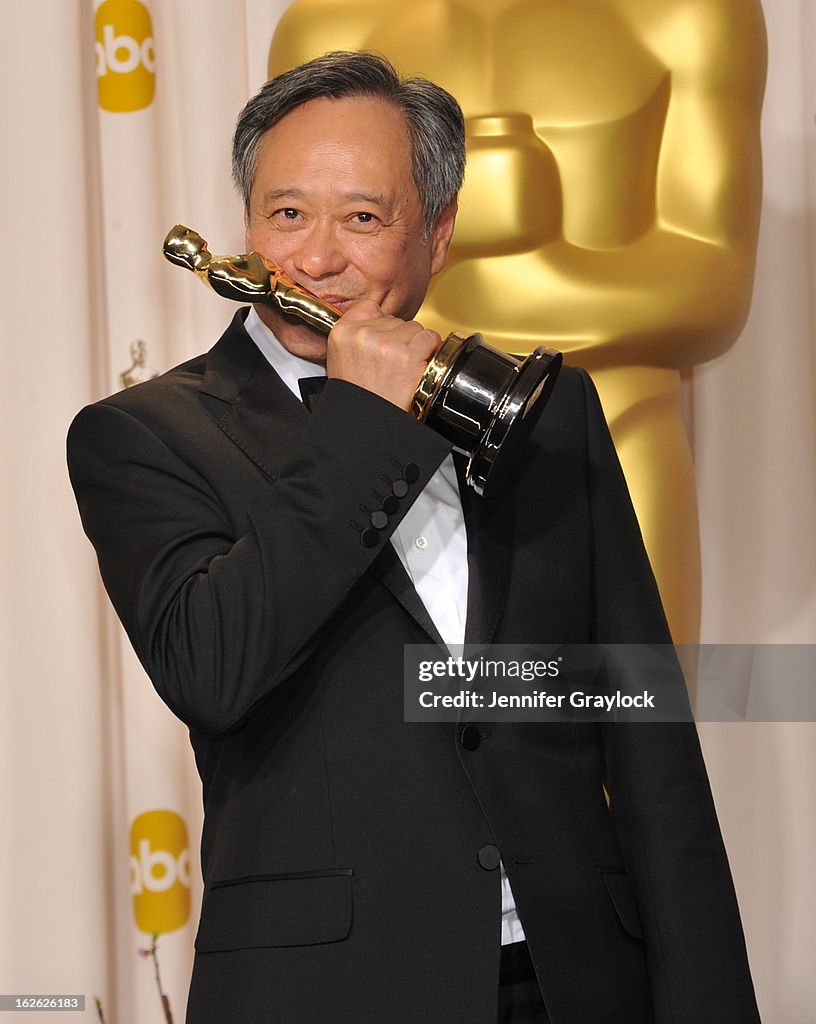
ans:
(611, 202)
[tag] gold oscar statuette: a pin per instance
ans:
(484, 401)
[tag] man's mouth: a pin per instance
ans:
(341, 302)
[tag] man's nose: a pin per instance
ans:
(319, 252)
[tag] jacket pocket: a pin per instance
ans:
(619, 887)
(296, 909)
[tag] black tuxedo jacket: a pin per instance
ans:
(350, 858)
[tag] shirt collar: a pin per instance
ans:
(289, 368)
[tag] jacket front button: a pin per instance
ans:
(470, 737)
(489, 857)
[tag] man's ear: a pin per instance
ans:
(441, 236)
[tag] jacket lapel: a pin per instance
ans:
(249, 401)
(489, 523)
(390, 571)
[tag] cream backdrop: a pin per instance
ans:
(86, 746)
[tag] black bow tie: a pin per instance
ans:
(310, 388)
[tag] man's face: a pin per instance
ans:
(334, 203)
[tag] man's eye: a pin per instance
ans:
(363, 217)
(288, 213)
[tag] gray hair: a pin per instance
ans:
(433, 117)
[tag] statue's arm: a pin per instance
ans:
(700, 257)
(678, 291)
(709, 180)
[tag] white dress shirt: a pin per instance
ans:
(431, 542)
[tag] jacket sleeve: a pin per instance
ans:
(219, 616)
(660, 797)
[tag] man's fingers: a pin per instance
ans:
(362, 310)
(425, 342)
(383, 354)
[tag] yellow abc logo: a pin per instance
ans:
(125, 58)
(159, 871)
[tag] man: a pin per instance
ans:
(270, 563)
